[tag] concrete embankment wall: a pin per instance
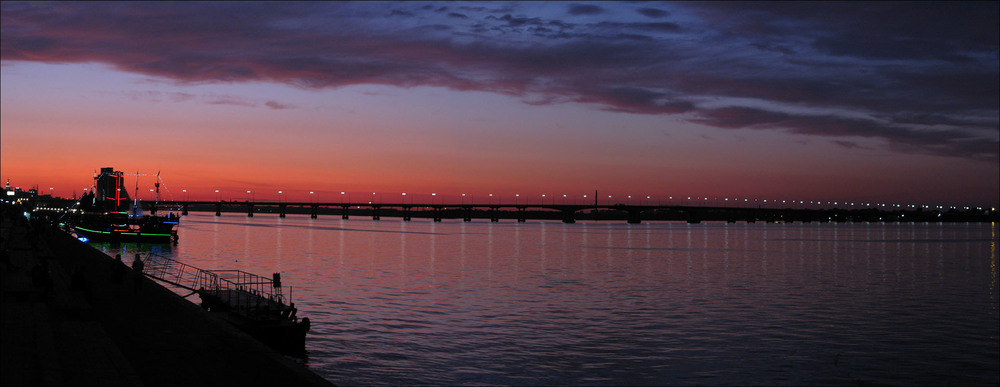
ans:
(74, 316)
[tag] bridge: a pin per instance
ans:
(570, 213)
(567, 213)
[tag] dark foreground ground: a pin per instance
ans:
(73, 316)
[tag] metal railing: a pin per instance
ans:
(249, 291)
(239, 290)
(179, 273)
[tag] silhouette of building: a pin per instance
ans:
(110, 187)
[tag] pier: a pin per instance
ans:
(74, 316)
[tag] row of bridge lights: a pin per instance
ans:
(565, 197)
(585, 197)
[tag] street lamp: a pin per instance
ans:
(217, 198)
(248, 196)
(185, 194)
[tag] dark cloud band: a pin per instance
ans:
(923, 77)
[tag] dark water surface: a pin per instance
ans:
(610, 303)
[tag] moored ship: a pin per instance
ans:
(108, 214)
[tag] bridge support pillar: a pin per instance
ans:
(184, 209)
(406, 213)
(635, 216)
(567, 216)
(343, 212)
(218, 209)
(314, 211)
(281, 210)
(375, 215)
(693, 217)
(250, 210)
(437, 214)
(520, 214)
(494, 214)
(468, 215)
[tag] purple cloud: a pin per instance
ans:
(923, 77)
(277, 106)
(652, 12)
(585, 9)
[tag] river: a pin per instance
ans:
(611, 303)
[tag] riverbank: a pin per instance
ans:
(74, 316)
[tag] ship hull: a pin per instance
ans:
(119, 227)
(93, 235)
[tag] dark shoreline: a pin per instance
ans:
(74, 316)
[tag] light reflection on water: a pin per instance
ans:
(419, 302)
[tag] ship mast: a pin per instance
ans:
(136, 186)
(157, 185)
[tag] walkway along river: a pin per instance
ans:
(74, 316)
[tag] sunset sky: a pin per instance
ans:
(880, 102)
